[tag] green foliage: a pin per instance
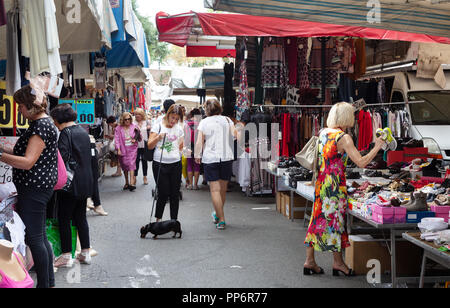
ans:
(159, 52)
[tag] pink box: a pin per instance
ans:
(441, 212)
(400, 215)
(440, 209)
(383, 215)
(445, 216)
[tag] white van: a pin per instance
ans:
(430, 120)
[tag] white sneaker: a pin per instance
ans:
(64, 261)
(84, 258)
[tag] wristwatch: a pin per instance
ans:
(1, 154)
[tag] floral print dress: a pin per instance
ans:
(327, 229)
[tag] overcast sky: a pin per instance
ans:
(151, 7)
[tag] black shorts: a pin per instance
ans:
(218, 171)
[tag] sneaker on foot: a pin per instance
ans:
(64, 261)
(215, 218)
(84, 258)
(221, 225)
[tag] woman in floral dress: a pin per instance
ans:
(327, 229)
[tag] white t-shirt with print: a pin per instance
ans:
(171, 152)
(218, 139)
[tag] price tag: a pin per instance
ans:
(8, 144)
(85, 109)
(7, 111)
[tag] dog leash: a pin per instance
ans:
(157, 179)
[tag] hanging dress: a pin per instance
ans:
(243, 101)
(327, 229)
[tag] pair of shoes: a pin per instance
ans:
(126, 187)
(377, 165)
(84, 258)
(442, 200)
(63, 261)
(215, 218)
(418, 203)
(132, 188)
(100, 211)
(373, 174)
(311, 272)
(337, 272)
(221, 225)
(189, 187)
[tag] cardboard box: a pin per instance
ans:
(364, 248)
(298, 202)
(278, 198)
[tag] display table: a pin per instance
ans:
(396, 230)
(432, 252)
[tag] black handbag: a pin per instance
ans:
(137, 135)
(149, 153)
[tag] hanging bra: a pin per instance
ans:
(8, 283)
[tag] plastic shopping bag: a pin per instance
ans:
(55, 239)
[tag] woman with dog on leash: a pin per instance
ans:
(218, 156)
(167, 138)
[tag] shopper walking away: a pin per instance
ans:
(167, 140)
(145, 127)
(75, 147)
(216, 136)
(126, 139)
(327, 229)
(190, 132)
(35, 174)
(109, 135)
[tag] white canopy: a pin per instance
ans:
(80, 31)
(133, 74)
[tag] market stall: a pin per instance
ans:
(288, 73)
(77, 64)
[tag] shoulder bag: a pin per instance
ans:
(149, 153)
(308, 155)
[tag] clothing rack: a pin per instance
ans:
(294, 106)
(390, 104)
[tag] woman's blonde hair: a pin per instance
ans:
(141, 112)
(342, 115)
(123, 116)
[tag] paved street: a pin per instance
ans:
(259, 249)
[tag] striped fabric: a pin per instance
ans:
(214, 79)
(416, 17)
